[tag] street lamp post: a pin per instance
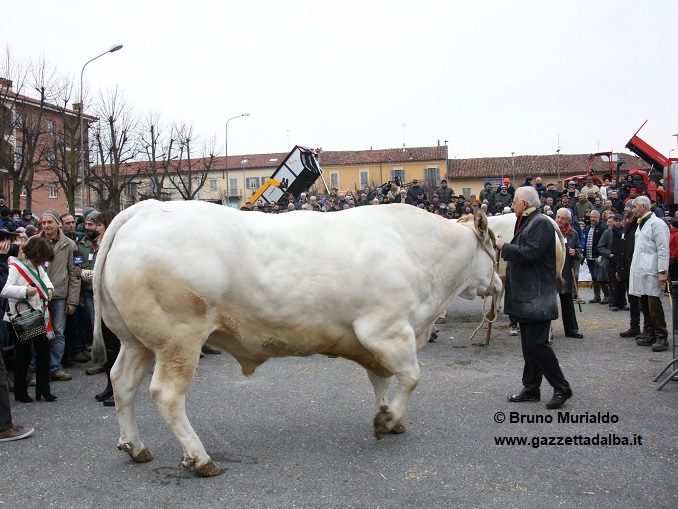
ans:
(513, 170)
(558, 162)
(676, 135)
(82, 130)
(225, 174)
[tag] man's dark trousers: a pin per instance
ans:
(539, 357)
(5, 411)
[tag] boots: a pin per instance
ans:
(606, 293)
(596, 292)
(660, 345)
(630, 333)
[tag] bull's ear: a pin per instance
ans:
(480, 222)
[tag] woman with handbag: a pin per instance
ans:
(29, 286)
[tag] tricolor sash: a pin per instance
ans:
(33, 279)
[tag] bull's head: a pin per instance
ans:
(490, 283)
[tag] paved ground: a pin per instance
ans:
(298, 434)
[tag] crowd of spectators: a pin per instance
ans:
(581, 198)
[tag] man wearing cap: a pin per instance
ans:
(66, 293)
(27, 219)
(414, 190)
(582, 207)
(509, 187)
(502, 195)
(590, 187)
(486, 193)
(617, 286)
(551, 193)
(444, 192)
(572, 190)
(539, 186)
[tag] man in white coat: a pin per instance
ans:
(649, 272)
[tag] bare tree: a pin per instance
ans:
(115, 144)
(26, 93)
(64, 146)
(187, 175)
(158, 149)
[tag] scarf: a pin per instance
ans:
(567, 229)
(525, 213)
(643, 220)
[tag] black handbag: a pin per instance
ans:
(28, 325)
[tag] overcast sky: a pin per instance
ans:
(490, 76)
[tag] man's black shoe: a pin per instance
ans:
(577, 335)
(524, 395)
(559, 398)
(594, 300)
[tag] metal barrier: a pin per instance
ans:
(674, 319)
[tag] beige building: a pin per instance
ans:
(235, 182)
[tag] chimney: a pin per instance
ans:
(6, 85)
(77, 107)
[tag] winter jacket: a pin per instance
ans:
(445, 194)
(531, 271)
(60, 269)
(598, 232)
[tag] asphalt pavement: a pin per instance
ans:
(298, 433)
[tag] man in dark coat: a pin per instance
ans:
(531, 297)
(617, 286)
(567, 290)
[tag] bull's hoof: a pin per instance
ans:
(398, 429)
(143, 457)
(209, 469)
(383, 422)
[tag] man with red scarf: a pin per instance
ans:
(567, 289)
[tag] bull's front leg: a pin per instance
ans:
(380, 385)
(395, 349)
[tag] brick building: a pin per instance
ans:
(39, 149)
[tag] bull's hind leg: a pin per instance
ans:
(394, 347)
(132, 364)
(174, 370)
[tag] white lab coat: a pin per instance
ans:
(650, 256)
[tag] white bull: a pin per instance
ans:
(173, 276)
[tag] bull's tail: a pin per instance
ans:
(100, 293)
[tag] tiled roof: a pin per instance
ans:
(327, 158)
(388, 155)
(339, 157)
(522, 166)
